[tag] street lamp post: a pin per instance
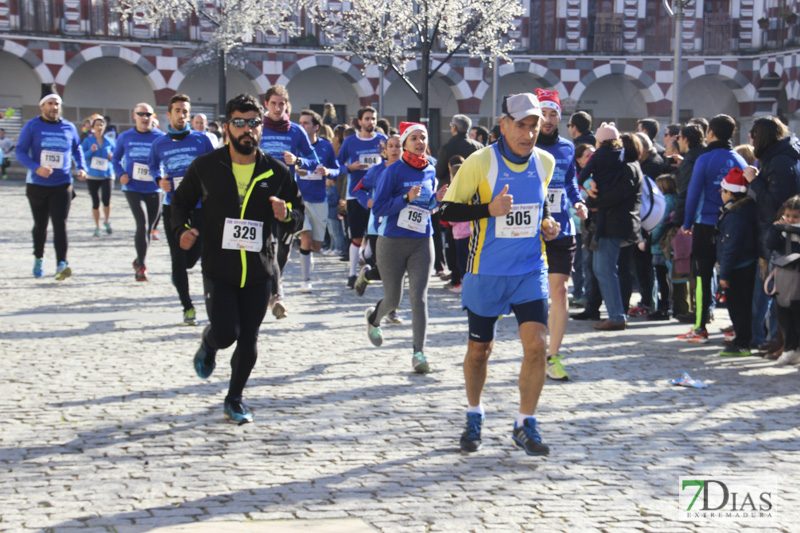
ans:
(678, 14)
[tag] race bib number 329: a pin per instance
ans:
(240, 234)
(520, 223)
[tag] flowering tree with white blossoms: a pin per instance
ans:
(234, 21)
(390, 33)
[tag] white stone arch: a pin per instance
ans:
(791, 87)
(248, 69)
(446, 73)
(319, 85)
(742, 89)
(550, 78)
(36, 64)
(20, 85)
(647, 85)
(153, 76)
(353, 74)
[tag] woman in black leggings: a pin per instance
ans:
(98, 150)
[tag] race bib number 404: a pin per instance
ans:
(242, 234)
(522, 222)
(554, 198)
(369, 159)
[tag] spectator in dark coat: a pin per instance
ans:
(459, 144)
(650, 127)
(692, 144)
(778, 175)
(652, 164)
(580, 128)
(776, 179)
(619, 223)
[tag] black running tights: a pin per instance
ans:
(50, 203)
(145, 208)
(183, 259)
(235, 315)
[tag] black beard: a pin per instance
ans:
(243, 149)
(369, 129)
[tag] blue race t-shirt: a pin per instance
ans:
(49, 144)
(172, 158)
(132, 156)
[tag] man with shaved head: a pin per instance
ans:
(141, 190)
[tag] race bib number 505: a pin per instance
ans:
(241, 234)
(521, 222)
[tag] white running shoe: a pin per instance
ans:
(791, 357)
(305, 287)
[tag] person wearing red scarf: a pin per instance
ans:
(404, 196)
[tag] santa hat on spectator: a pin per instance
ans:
(406, 128)
(607, 132)
(735, 181)
(549, 100)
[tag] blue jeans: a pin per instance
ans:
(607, 272)
(765, 323)
(337, 234)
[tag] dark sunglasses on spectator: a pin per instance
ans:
(142, 114)
(240, 122)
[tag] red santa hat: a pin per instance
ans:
(406, 128)
(735, 181)
(550, 100)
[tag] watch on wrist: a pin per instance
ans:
(406, 199)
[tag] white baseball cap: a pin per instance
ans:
(519, 106)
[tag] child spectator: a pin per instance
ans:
(461, 230)
(661, 263)
(736, 253)
(787, 277)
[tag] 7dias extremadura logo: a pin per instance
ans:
(726, 498)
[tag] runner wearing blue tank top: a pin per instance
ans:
(501, 191)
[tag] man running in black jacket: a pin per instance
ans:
(242, 189)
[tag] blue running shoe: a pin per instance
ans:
(419, 363)
(527, 438)
(471, 438)
(236, 412)
(201, 366)
(63, 271)
(38, 267)
(374, 333)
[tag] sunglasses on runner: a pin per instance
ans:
(240, 122)
(143, 114)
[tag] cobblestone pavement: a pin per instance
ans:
(106, 427)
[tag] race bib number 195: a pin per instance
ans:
(413, 218)
(521, 222)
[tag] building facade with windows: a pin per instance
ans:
(612, 58)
